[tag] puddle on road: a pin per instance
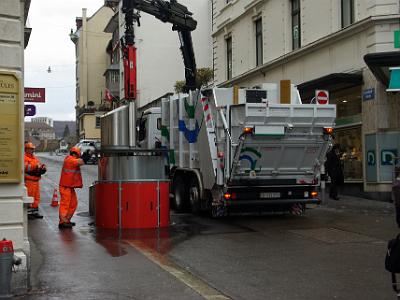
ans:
(162, 241)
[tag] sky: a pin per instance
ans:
(50, 46)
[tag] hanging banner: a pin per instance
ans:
(10, 122)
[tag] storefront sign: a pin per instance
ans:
(371, 170)
(37, 95)
(371, 158)
(397, 39)
(369, 94)
(388, 157)
(10, 147)
(30, 110)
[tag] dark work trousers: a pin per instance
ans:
(333, 190)
(396, 198)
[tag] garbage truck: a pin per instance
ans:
(232, 150)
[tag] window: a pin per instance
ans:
(229, 57)
(159, 123)
(296, 29)
(259, 43)
(98, 122)
(142, 129)
(347, 13)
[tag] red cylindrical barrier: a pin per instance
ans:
(132, 204)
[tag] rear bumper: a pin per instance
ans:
(271, 202)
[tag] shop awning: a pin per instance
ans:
(332, 82)
(379, 64)
(394, 84)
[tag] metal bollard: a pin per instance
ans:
(7, 260)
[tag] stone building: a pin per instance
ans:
(39, 131)
(14, 37)
(343, 46)
(91, 60)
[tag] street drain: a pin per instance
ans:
(333, 235)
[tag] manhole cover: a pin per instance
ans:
(333, 235)
(83, 214)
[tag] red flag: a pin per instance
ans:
(108, 97)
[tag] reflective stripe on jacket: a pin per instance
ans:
(71, 173)
(31, 164)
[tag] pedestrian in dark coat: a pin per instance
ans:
(396, 194)
(335, 171)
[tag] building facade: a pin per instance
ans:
(39, 131)
(46, 120)
(14, 37)
(91, 60)
(343, 46)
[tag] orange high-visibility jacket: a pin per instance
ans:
(71, 173)
(31, 167)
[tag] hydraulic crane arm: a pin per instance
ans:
(169, 12)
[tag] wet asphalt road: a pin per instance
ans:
(335, 251)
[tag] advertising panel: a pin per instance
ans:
(10, 170)
(37, 95)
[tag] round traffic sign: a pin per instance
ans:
(322, 97)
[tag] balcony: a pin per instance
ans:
(112, 80)
(92, 109)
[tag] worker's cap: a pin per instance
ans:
(75, 150)
(30, 146)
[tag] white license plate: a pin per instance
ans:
(270, 195)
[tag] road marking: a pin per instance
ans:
(198, 285)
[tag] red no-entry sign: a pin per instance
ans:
(322, 97)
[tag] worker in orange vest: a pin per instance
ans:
(71, 178)
(33, 172)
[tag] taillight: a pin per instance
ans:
(248, 130)
(328, 130)
(227, 196)
(314, 194)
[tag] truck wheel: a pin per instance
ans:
(180, 194)
(194, 195)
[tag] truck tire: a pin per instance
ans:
(194, 195)
(180, 194)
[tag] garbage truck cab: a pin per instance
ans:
(149, 129)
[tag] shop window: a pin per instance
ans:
(349, 140)
(348, 104)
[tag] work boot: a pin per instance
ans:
(64, 225)
(33, 213)
(36, 215)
